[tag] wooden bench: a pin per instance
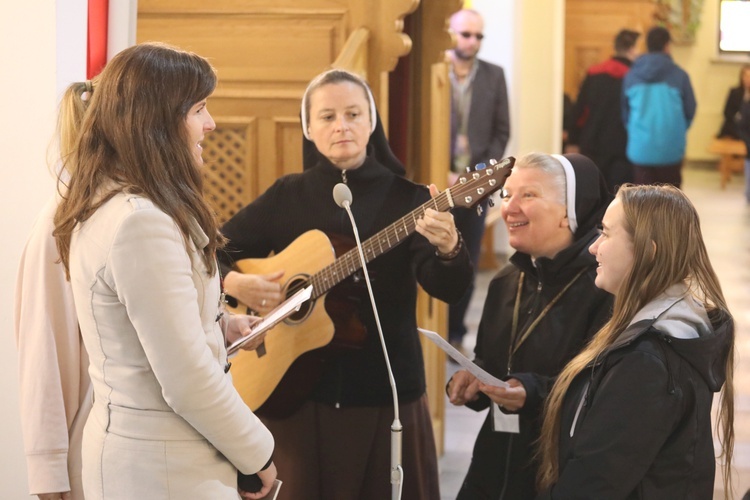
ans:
(732, 154)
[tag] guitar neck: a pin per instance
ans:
(376, 245)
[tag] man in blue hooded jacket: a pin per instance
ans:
(658, 106)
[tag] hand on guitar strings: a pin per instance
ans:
(260, 292)
(438, 227)
(237, 326)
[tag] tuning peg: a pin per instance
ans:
(468, 169)
(480, 166)
(479, 210)
(493, 162)
(491, 202)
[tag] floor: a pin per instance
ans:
(725, 218)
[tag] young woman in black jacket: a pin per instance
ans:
(630, 417)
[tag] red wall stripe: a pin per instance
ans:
(96, 50)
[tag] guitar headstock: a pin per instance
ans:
(473, 187)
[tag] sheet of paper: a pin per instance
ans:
(462, 360)
(277, 314)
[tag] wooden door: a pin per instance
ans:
(266, 52)
(590, 29)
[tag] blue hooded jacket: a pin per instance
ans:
(658, 106)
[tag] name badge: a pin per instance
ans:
(503, 422)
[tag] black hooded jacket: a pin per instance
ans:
(636, 424)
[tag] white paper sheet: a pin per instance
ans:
(277, 314)
(462, 360)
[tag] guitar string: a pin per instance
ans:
(349, 263)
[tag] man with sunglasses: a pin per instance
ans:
(480, 127)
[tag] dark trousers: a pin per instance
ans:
(471, 227)
(328, 453)
(658, 174)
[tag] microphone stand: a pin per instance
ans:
(397, 471)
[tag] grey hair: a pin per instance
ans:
(549, 166)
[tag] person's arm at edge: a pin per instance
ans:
(49, 356)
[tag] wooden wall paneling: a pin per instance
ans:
(264, 50)
(428, 161)
(354, 56)
(386, 42)
(431, 311)
(230, 152)
(265, 53)
(432, 40)
(276, 135)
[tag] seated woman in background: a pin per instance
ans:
(630, 417)
(743, 129)
(737, 95)
(540, 311)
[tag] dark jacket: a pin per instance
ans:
(743, 126)
(658, 105)
(637, 423)
(301, 202)
(560, 335)
(489, 115)
(597, 126)
(732, 114)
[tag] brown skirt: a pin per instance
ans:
(344, 454)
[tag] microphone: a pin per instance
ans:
(342, 195)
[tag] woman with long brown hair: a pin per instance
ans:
(630, 417)
(139, 242)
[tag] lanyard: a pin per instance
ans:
(514, 345)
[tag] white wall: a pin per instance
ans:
(526, 39)
(711, 81)
(37, 38)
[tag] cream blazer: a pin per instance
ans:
(167, 421)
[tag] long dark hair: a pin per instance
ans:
(133, 138)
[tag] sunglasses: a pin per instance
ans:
(468, 34)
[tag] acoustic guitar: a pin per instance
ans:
(275, 379)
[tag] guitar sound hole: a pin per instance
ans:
(292, 287)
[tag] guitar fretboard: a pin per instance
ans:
(375, 246)
(471, 189)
